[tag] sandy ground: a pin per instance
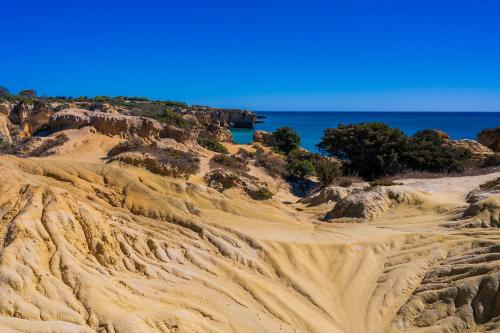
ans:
(89, 246)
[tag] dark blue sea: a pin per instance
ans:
(310, 125)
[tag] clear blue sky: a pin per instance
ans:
(264, 55)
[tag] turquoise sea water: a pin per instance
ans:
(310, 125)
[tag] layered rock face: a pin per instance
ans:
(4, 130)
(230, 118)
(218, 133)
(478, 154)
(264, 137)
(126, 126)
(490, 138)
(178, 134)
(6, 108)
(30, 117)
(105, 123)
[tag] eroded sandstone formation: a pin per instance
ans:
(490, 138)
(105, 123)
(30, 117)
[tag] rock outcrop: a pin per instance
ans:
(105, 123)
(30, 117)
(264, 137)
(221, 180)
(230, 118)
(370, 204)
(4, 130)
(484, 213)
(490, 138)
(218, 133)
(484, 191)
(478, 154)
(327, 194)
(178, 134)
(6, 108)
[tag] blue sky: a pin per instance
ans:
(393, 55)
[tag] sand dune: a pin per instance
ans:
(87, 246)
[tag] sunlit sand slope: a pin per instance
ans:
(95, 247)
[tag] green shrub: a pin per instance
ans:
(286, 139)
(213, 145)
(369, 149)
(301, 169)
(173, 118)
(426, 151)
(102, 99)
(374, 150)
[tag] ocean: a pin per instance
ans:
(310, 125)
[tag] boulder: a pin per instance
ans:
(264, 137)
(105, 123)
(369, 204)
(490, 138)
(327, 194)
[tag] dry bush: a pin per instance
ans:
(276, 165)
(164, 161)
(232, 162)
(346, 181)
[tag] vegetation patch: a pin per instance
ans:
(233, 162)
(384, 182)
(274, 164)
(286, 139)
(173, 118)
(490, 184)
(375, 150)
(213, 145)
(163, 161)
(261, 193)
